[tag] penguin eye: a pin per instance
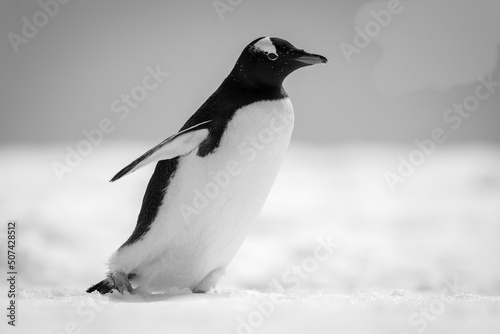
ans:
(272, 56)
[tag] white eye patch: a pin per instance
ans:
(266, 45)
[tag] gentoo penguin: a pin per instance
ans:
(211, 178)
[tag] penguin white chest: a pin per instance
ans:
(243, 167)
(224, 191)
(211, 201)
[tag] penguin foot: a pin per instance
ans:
(117, 280)
(103, 287)
(121, 282)
(198, 291)
(209, 282)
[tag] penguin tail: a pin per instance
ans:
(115, 281)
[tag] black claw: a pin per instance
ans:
(103, 287)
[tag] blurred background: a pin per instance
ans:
(73, 72)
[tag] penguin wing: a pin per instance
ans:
(179, 144)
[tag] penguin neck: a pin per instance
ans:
(254, 80)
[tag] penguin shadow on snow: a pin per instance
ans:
(140, 296)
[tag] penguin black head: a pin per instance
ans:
(269, 60)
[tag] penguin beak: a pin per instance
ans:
(309, 58)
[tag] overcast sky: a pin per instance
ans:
(396, 81)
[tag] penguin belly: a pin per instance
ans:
(211, 202)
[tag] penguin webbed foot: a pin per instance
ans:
(103, 287)
(208, 283)
(198, 291)
(115, 281)
(121, 282)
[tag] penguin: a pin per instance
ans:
(211, 178)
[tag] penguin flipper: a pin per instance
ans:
(179, 144)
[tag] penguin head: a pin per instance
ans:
(269, 60)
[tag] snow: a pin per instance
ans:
(423, 258)
(243, 311)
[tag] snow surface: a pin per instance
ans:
(231, 311)
(396, 254)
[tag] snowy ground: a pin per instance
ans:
(423, 258)
(258, 312)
